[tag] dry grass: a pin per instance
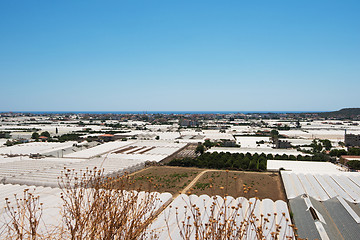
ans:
(92, 209)
(227, 219)
(268, 185)
(163, 179)
(23, 216)
(175, 179)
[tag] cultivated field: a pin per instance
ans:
(233, 183)
(163, 179)
(208, 181)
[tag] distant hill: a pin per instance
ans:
(343, 113)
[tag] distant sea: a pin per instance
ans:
(157, 112)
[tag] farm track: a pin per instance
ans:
(185, 190)
(192, 183)
(189, 187)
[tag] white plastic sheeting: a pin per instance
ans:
(168, 224)
(304, 166)
(257, 150)
(36, 147)
(52, 203)
(159, 143)
(99, 150)
(48, 196)
(317, 187)
(42, 172)
(45, 171)
(142, 157)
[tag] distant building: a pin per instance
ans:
(4, 135)
(128, 135)
(107, 137)
(188, 123)
(229, 143)
(352, 140)
(146, 136)
(282, 144)
(43, 138)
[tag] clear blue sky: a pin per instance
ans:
(157, 55)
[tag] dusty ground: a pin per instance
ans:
(163, 179)
(268, 185)
(177, 179)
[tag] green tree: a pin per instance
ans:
(69, 137)
(263, 165)
(354, 151)
(354, 164)
(338, 152)
(253, 164)
(228, 163)
(316, 146)
(208, 143)
(35, 135)
(327, 144)
(274, 134)
(245, 163)
(237, 164)
(200, 149)
(45, 134)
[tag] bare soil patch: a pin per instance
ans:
(233, 183)
(163, 179)
(175, 179)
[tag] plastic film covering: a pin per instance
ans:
(289, 185)
(52, 203)
(168, 225)
(319, 190)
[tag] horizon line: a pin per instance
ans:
(168, 111)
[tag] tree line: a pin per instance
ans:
(240, 161)
(340, 152)
(354, 164)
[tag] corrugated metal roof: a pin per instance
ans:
(329, 226)
(302, 219)
(337, 221)
(345, 223)
(322, 187)
(354, 207)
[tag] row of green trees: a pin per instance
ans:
(69, 137)
(36, 135)
(340, 152)
(355, 164)
(224, 161)
(240, 161)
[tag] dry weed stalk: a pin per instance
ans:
(99, 207)
(94, 209)
(228, 219)
(22, 217)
